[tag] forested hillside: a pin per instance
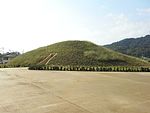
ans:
(139, 47)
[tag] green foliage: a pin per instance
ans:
(88, 68)
(139, 47)
(3, 66)
(76, 53)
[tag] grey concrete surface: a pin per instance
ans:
(25, 91)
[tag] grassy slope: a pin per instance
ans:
(77, 53)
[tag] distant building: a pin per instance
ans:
(6, 57)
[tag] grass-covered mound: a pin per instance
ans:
(76, 53)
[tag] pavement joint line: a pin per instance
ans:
(48, 91)
(33, 97)
(51, 105)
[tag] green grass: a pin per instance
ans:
(77, 53)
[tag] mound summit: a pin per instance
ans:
(76, 53)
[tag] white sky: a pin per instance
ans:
(29, 24)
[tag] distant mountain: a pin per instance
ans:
(76, 53)
(139, 47)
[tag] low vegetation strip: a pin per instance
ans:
(90, 68)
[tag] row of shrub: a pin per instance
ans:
(10, 66)
(90, 68)
(3, 66)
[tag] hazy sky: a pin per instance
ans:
(28, 24)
